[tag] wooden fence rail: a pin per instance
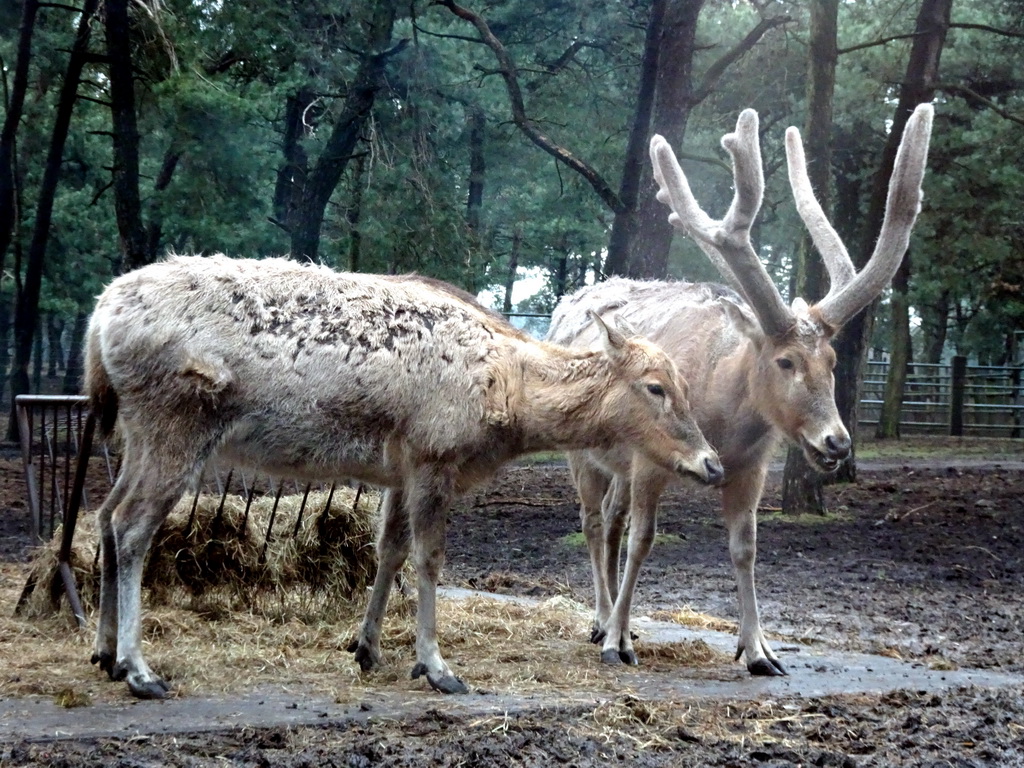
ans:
(954, 399)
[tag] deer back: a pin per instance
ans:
(298, 358)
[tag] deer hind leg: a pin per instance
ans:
(427, 497)
(739, 507)
(645, 488)
(392, 551)
(155, 488)
(105, 647)
(592, 484)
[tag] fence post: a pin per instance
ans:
(1015, 400)
(956, 396)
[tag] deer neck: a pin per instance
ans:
(733, 417)
(562, 400)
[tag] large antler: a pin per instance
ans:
(850, 291)
(727, 242)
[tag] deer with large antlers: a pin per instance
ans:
(402, 382)
(757, 369)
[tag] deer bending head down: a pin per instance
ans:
(299, 371)
(757, 369)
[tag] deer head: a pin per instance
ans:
(793, 378)
(648, 405)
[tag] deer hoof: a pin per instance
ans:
(610, 656)
(597, 635)
(629, 657)
(766, 668)
(106, 663)
(448, 683)
(149, 689)
(364, 655)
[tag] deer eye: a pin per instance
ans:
(656, 389)
(785, 363)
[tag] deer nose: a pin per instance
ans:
(714, 471)
(838, 447)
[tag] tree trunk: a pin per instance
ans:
(8, 138)
(308, 216)
(291, 176)
(26, 315)
(917, 87)
(354, 214)
(55, 350)
(74, 370)
(37, 359)
(899, 360)
(624, 223)
(154, 229)
(477, 169)
(513, 266)
(127, 203)
(673, 100)
(934, 326)
(562, 267)
(6, 322)
(801, 484)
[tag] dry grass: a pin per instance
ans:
(688, 617)
(221, 616)
(662, 725)
(300, 639)
(221, 549)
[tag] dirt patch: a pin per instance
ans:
(924, 563)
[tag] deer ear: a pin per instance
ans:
(742, 321)
(614, 340)
(623, 326)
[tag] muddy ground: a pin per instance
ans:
(921, 560)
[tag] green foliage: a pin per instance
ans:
(215, 78)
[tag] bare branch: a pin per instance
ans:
(987, 28)
(444, 36)
(873, 43)
(718, 68)
(972, 95)
(61, 6)
(510, 75)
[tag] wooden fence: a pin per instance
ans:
(953, 399)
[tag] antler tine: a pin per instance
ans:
(662, 155)
(902, 206)
(727, 242)
(826, 239)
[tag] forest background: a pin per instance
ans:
(485, 142)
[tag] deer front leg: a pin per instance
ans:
(392, 550)
(427, 497)
(591, 484)
(739, 507)
(614, 509)
(646, 486)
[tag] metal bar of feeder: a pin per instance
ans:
(223, 497)
(302, 508)
(68, 453)
(270, 524)
(248, 503)
(67, 533)
(35, 506)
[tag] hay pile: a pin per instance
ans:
(321, 544)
